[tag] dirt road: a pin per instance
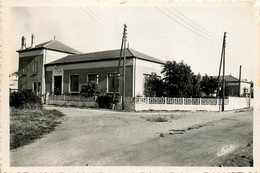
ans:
(99, 138)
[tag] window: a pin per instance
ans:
(113, 82)
(24, 71)
(74, 83)
(93, 78)
(37, 87)
(35, 67)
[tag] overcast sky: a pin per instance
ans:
(192, 33)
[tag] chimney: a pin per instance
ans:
(32, 43)
(23, 43)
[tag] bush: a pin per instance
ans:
(90, 89)
(25, 99)
(157, 119)
(104, 101)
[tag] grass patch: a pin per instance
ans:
(26, 125)
(157, 119)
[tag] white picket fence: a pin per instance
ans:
(179, 101)
(72, 98)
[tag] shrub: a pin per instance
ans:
(90, 89)
(25, 99)
(157, 119)
(153, 86)
(104, 101)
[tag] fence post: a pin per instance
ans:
(249, 101)
(165, 100)
(183, 100)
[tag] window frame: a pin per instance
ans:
(117, 92)
(70, 84)
(35, 67)
(92, 74)
(36, 88)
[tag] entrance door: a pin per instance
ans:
(57, 85)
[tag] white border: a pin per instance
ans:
(5, 98)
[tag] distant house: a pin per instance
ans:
(54, 68)
(32, 60)
(13, 82)
(234, 82)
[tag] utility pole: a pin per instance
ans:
(123, 92)
(239, 85)
(222, 61)
(118, 68)
(220, 65)
(223, 78)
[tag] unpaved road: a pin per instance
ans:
(98, 138)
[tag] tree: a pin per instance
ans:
(209, 84)
(196, 88)
(178, 79)
(90, 89)
(153, 86)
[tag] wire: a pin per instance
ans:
(105, 19)
(188, 23)
(181, 23)
(97, 20)
(162, 37)
(176, 43)
(193, 21)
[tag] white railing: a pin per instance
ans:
(179, 101)
(147, 100)
(71, 98)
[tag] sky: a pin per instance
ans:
(172, 32)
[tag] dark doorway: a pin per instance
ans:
(57, 85)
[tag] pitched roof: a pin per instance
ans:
(104, 55)
(230, 78)
(52, 45)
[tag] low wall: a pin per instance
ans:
(73, 103)
(182, 104)
(239, 103)
(231, 103)
(140, 107)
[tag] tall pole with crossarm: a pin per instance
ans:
(223, 78)
(123, 89)
(222, 62)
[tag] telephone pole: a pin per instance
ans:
(223, 78)
(222, 61)
(123, 48)
(124, 41)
